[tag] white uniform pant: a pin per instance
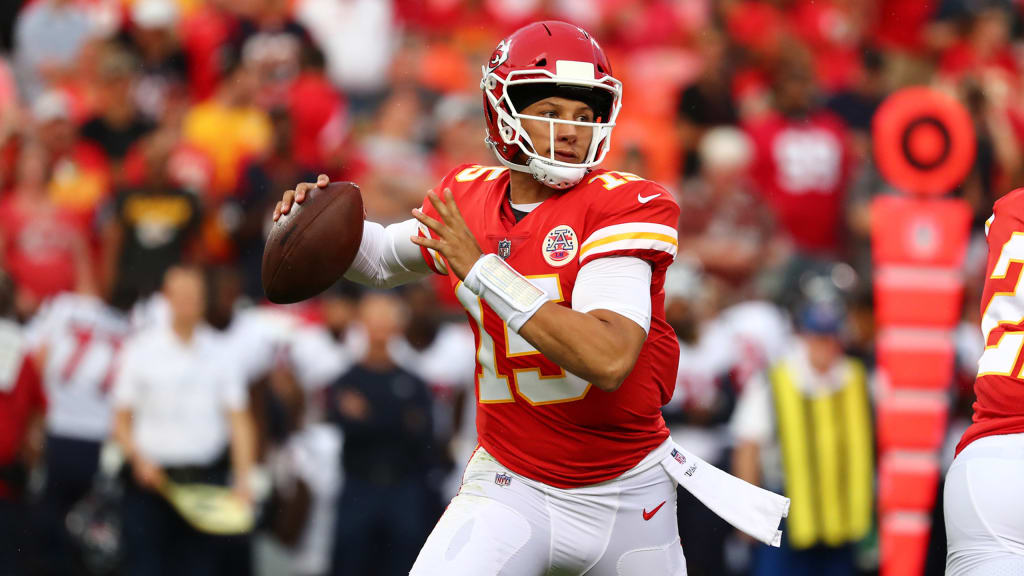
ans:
(984, 508)
(503, 524)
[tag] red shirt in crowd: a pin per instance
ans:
(39, 247)
(801, 169)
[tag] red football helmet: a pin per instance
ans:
(548, 58)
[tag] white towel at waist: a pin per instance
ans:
(750, 509)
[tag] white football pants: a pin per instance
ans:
(503, 524)
(984, 508)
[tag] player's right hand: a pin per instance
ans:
(298, 195)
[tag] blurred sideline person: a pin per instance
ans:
(575, 460)
(723, 221)
(805, 426)
(385, 413)
(440, 353)
(76, 339)
(22, 408)
(983, 511)
(289, 363)
(720, 349)
(179, 408)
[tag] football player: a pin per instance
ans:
(76, 338)
(560, 267)
(983, 511)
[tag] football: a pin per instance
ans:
(310, 248)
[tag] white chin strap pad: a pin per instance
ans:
(557, 177)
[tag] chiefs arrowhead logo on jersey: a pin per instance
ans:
(560, 246)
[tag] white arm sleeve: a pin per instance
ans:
(387, 257)
(621, 284)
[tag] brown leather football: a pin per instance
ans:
(313, 245)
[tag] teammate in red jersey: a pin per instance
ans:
(983, 509)
(561, 268)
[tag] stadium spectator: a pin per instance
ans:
(229, 127)
(119, 123)
(76, 339)
(150, 226)
(49, 36)
(724, 223)
(384, 412)
(396, 161)
(273, 44)
(154, 38)
(42, 246)
(788, 439)
(358, 39)
(79, 175)
(262, 179)
(458, 128)
(801, 160)
(707, 102)
(320, 116)
(179, 407)
(206, 33)
(22, 406)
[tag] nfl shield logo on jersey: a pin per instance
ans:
(502, 479)
(504, 248)
(679, 457)
(560, 246)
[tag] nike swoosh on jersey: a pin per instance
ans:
(649, 515)
(646, 199)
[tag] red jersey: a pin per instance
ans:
(801, 168)
(39, 248)
(532, 416)
(999, 387)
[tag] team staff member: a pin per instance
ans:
(384, 412)
(178, 406)
(574, 363)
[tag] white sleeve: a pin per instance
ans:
(234, 393)
(752, 420)
(234, 390)
(387, 257)
(125, 392)
(621, 284)
(40, 329)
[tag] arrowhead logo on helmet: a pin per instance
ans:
(499, 56)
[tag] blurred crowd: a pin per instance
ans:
(139, 137)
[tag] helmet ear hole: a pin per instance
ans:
(541, 63)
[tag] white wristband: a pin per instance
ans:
(514, 298)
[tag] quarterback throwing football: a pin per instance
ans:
(560, 267)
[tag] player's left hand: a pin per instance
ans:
(453, 239)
